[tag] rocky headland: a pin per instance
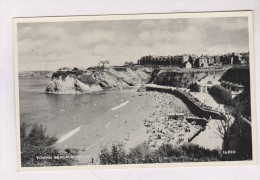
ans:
(77, 81)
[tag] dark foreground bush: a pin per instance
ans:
(117, 155)
(166, 153)
(141, 154)
(37, 149)
(167, 150)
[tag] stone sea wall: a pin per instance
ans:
(194, 107)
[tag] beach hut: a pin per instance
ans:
(176, 116)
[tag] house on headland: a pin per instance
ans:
(187, 65)
(200, 62)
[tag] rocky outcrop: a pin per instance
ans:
(79, 81)
(133, 77)
(70, 85)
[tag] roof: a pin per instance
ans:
(186, 62)
(232, 84)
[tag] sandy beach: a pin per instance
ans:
(122, 123)
(163, 129)
(127, 123)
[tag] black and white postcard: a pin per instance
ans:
(130, 91)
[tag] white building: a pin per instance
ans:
(205, 84)
(187, 65)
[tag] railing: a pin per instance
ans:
(198, 110)
(204, 111)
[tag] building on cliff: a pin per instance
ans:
(200, 62)
(187, 65)
(216, 59)
(232, 58)
(177, 60)
(64, 69)
(245, 57)
(207, 83)
(227, 90)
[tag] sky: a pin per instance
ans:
(51, 45)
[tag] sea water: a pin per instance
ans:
(60, 114)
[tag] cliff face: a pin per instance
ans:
(177, 79)
(181, 78)
(70, 85)
(78, 82)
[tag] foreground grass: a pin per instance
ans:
(166, 153)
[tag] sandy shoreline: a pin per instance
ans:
(122, 124)
(135, 118)
(126, 124)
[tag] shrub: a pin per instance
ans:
(166, 153)
(105, 156)
(194, 87)
(38, 137)
(37, 149)
(200, 153)
(141, 154)
(117, 155)
(167, 150)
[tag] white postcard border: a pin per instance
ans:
(248, 14)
